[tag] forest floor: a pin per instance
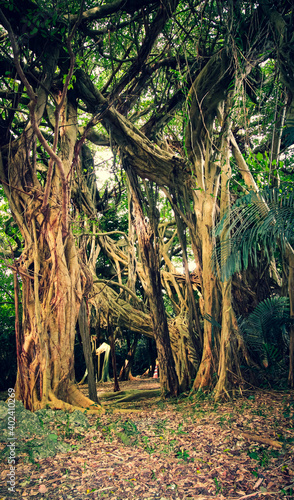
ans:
(186, 448)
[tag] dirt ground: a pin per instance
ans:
(131, 385)
(187, 448)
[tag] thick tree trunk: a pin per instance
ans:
(210, 302)
(229, 326)
(185, 355)
(226, 357)
(207, 97)
(51, 301)
(53, 279)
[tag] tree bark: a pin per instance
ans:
(125, 371)
(111, 338)
(229, 323)
(211, 299)
(153, 289)
(87, 350)
(207, 96)
(53, 279)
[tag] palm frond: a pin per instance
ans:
(264, 330)
(256, 222)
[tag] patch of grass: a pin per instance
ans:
(288, 492)
(160, 425)
(161, 404)
(218, 485)
(263, 455)
(128, 433)
(180, 429)
(108, 432)
(147, 446)
(259, 412)
(288, 410)
(169, 447)
(184, 455)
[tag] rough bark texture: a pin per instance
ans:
(229, 325)
(87, 350)
(153, 289)
(53, 279)
(125, 371)
(207, 96)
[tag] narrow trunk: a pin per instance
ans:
(113, 358)
(87, 350)
(168, 377)
(153, 289)
(125, 372)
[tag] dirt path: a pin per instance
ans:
(131, 385)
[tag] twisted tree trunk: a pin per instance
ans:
(153, 289)
(53, 279)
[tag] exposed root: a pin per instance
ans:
(57, 404)
(79, 399)
(128, 396)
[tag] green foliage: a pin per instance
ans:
(262, 455)
(265, 333)
(113, 220)
(271, 314)
(256, 223)
(183, 454)
(7, 330)
(43, 433)
(128, 433)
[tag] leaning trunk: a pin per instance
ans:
(153, 289)
(125, 371)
